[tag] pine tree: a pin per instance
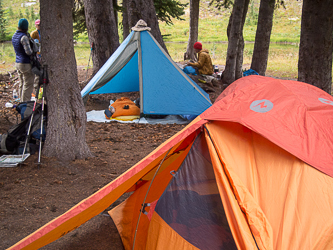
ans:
(168, 9)
(79, 19)
(165, 11)
(3, 23)
(32, 14)
(27, 14)
(10, 12)
(20, 15)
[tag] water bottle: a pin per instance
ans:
(33, 97)
(15, 96)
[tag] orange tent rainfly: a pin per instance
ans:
(254, 171)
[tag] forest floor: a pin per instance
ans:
(31, 195)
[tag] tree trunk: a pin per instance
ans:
(102, 30)
(114, 3)
(263, 36)
(240, 50)
(315, 50)
(145, 10)
(114, 29)
(126, 27)
(194, 26)
(65, 135)
(235, 24)
(239, 58)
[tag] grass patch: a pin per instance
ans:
(212, 32)
(283, 58)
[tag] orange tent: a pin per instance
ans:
(254, 171)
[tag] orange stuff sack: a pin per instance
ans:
(125, 107)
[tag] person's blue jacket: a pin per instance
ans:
(21, 56)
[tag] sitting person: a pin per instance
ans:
(204, 64)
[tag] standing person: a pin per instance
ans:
(36, 35)
(204, 64)
(23, 51)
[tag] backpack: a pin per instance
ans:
(25, 110)
(14, 140)
(10, 141)
(35, 64)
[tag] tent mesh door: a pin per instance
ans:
(191, 204)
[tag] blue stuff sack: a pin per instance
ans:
(190, 70)
(189, 117)
(250, 72)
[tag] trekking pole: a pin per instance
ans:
(91, 49)
(28, 132)
(41, 136)
(31, 119)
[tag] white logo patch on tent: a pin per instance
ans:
(261, 106)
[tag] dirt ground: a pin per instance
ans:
(31, 195)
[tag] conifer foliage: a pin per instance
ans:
(3, 23)
(165, 11)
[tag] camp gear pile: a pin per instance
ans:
(13, 141)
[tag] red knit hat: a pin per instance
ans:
(197, 45)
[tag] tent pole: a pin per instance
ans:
(225, 172)
(140, 73)
(144, 200)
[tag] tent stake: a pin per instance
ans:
(144, 200)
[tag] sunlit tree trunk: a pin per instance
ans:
(263, 36)
(315, 50)
(145, 10)
(235, 45)
(102, 30)
(194, 26)
(65, 135)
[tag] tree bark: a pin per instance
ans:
(65, 135)
(194, 26)
(145, 10)
(236, 28)
(263, 36)
(114, 28)
(240, 50)
(315, 50)
(114, 3)
(126, 28)
(239, 58)
(102, 30)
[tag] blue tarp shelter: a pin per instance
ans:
(141, 64)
